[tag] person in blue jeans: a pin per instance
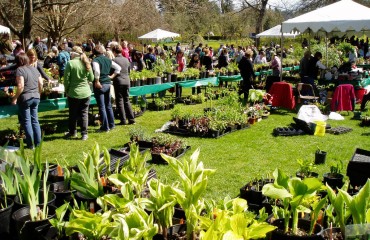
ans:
(29, 86)
(102, 83)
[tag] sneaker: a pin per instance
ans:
(70, 135)
(84, 137)
(131, 122)
(102, 131)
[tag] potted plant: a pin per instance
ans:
(9, 184)
(62, 189)
(92, 225)
(334, 178)
(160, 104)
(194, 179)
(337, 214)
(38, 209)
(28, 181)
(293, 192)
(87, 181)
(162, 204)
(6, 206)
(252, 191)
(134, 173)
(233, 221)
(320, 156)
(306, 168)
(216, 127)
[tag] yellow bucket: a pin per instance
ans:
(320, 128)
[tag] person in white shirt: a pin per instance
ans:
(239, 54)
(260, 58)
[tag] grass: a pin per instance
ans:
(238, 157)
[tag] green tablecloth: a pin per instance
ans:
(148, 89)
(367, 66)
(357, 83)
(45, 105)
(200, 82)
(234, 78)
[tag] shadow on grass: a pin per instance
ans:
(365, 134)
(282, 111)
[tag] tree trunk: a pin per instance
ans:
(259, 24)
(27, 23)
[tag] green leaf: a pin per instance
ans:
(270, 190)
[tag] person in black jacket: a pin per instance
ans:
(121, 84)
(247, 72)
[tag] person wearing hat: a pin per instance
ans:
(275, 64)
(77, 76)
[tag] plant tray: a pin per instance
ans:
(209, 134)
(358, 167)
(157, 158)
(287, 131)
(339, 130)
(115, 157)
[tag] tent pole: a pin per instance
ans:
(281, 53)
(309, 39)
(326, 43)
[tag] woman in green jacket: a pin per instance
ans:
(77, 76)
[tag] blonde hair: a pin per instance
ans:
(78, 50)
(248, 53)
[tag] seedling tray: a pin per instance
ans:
(157, 158)
(287, 131)
(115, 157)
(339, 130)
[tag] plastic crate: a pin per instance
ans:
(358, 168)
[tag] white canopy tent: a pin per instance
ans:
(337, 18)
(276, 32)
(159, 34)
(4, 29)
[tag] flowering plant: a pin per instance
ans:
(267, 99)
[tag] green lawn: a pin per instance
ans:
(237, 157)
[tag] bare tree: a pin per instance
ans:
(60, 20)
(12, 12)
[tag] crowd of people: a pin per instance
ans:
(92, 68)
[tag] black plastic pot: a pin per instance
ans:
(61, 193)
(173, 77)
(320, 157)
(90, 202)
(175, 231)
(333, 180)
(250, 193)
(53, 176)
(5, 214)
(19, 205)
(303, 224)
(25, 228)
